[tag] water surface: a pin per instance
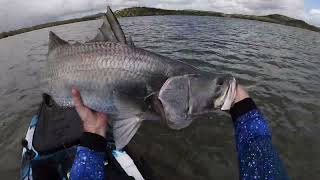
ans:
(279, 65)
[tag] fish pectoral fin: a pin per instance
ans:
(55, 41)
(124, 130)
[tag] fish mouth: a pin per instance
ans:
(227, 93)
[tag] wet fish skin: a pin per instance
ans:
(103, 70)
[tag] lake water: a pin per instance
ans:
(279, 65)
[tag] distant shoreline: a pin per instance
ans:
(272, 18)
(145, 11)
(46, 25)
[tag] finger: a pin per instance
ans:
(76, 97)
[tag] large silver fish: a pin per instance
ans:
(130, 83)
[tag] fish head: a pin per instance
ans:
(208, 93)
(184, 97)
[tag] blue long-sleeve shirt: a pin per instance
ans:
(258, 158)
(90, 158)
(88, 164)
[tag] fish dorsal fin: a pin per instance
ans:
(98, 37)
(111, 30)
(55, 41)
(115, 26)
(107, 32)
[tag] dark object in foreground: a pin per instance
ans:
(50, 146)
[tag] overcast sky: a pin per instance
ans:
(20, 13)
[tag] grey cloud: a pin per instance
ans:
(18, 13)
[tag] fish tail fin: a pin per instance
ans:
(124, 130)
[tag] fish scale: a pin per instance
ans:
(109, 59)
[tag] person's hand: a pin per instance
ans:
(93, 122)
(241, 94)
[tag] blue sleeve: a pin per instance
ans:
(88, 164)
(258, 158)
